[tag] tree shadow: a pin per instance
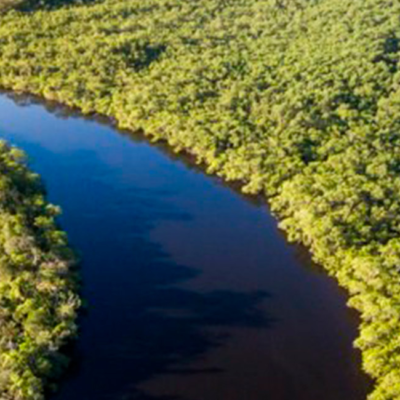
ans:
(137, 136)
(143, 320)
(155, 327)
(28, 6)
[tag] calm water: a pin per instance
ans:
(193, 292)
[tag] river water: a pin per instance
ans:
(193, 293)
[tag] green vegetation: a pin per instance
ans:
(298, 99)
(38, 300)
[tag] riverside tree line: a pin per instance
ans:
(38, 284)
(297, 99)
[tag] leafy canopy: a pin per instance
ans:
(298, 99)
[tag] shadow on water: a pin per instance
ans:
(145, 321)
(153, 327)
(64, 112)
(142, 321)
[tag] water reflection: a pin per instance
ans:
(193, 292)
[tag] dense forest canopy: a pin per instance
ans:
(298, 99)
(38, 298)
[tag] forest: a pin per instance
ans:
(296, 99)
(38, 284)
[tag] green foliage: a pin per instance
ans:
(298, 99)
(38, 300)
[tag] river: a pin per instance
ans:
(193, 293)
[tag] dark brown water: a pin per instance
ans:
(194, 294)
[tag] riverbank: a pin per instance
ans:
(183, 254)
(38, 289)
(297, 100)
